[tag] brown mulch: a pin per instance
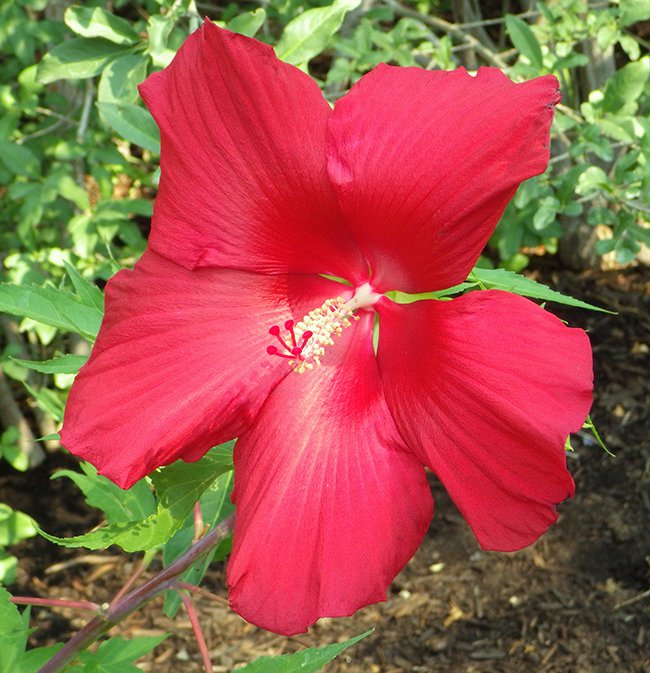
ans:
(577, 601)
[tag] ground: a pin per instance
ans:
(577, 601)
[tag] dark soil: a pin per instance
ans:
(575, 602)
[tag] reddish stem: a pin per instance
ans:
(198, 521)
(198, 632)
(202, 592)
(142, 566)
(56, 603)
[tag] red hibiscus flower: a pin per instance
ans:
(231, 324)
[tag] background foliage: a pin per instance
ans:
(79, 169)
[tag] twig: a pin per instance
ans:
(50, 113)
(42, 132)
(494, 22)
(631, 601)
(79, 560)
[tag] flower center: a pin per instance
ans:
(304, 343)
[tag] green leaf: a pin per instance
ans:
(524, 40)
(89, 294)
(633, 11)
(159, 29)
(120, 79)
(64, 364)
(248, 23)
(18, 159)
(625, 86)
(305, 661)
(71, 191)
(51, 306)
(33, 660)
(133, 123)
(78, 58)
(405, 298)
(500, 279)
(545, 215)
(117, 654)
(593, 179)
(97, 22)
(178, 487)
(13, 633)
(589, 424)
(119, 506)
(309, 33)
(15, 526)
(8, 568)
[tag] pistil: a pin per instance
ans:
(305, 342)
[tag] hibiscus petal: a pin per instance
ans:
(425, 162)
(244, 180)
(180, 363)
(485, 390)
(329, 506)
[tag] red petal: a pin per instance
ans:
(180, 363)
(329, 507)
(244, 181)
(485, 390)
(426, 161)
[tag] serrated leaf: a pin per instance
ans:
(248, 23)
(306, 661)
(88, 293)
(118, 505)
(97, 22)
(524, 40)
(133, 123)
(178, 487)
(78, 58)
(500, 279)
(65, 364)
(117, 654)
(51, 306)
(34, 659)
(309, 33)
(13, 633)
